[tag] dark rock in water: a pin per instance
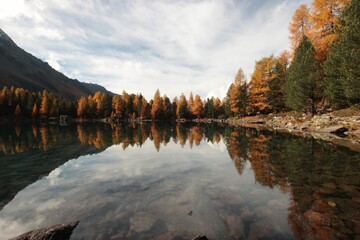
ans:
(334, 129)
(200, 238)
(57, 232)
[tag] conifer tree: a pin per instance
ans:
(342, 68)
(325, 18)
(198, 108)
(156, 107)
(181, 108)
(277, 83)
(299, 26)
(217, 107)
(44, 107)
(82, 107)
(303, 85)
(190, 105)
(167, 108)
(34, 112)
(18, 111)
(259, 85)
(209, 108)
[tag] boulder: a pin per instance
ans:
(334, 129)
(57, 232)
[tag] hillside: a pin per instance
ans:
(19, 68)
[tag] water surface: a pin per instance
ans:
(175, 182)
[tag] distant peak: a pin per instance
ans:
(4, 36)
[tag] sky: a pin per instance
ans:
(139, 45)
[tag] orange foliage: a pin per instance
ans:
(325, 18)
(259, 87)
(299, 26)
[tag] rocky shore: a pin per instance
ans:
(341, 130)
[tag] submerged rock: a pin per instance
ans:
(334, 129)
(200, 238)
(141, 222)
(57, 232)
(236, 226)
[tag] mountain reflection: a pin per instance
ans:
(322, 180)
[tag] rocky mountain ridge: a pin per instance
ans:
(19, 68)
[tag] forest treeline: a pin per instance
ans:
(19, 102)
(321, 72)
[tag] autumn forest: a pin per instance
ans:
(321, 72)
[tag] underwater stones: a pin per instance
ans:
(262, 229)
(236, 226)
(141, 222)
(200, 238)
(246, 215)
(263, 211)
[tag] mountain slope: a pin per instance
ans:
(19, 68)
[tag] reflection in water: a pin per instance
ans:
(310, 187)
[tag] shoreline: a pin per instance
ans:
(344, 131)
(339, 130)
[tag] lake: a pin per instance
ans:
(176, 181)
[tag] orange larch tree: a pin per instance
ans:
(325, 16)
(299, 26)
(259, 84)
(157, 105)
(198, 107)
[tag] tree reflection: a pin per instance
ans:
(322, 180)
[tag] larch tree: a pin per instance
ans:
(117, 106)
(303, 86)
(198, 107)
(156, 107)
(217, 107)
(342, 67)
(91, 106)
(18, 111)
(238, 94)
(300, 26)
(325, 16)
(190, 105)
(45, 104)
(259, 85)
(277, 83)
(34, 112)
(82, 107)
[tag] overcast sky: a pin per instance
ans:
(139, 46)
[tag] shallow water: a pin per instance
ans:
(176, 182)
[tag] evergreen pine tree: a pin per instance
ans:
(342, 68)
(303, 83)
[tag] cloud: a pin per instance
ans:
(139, 46)
(53, 61)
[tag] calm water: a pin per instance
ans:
(175, 182)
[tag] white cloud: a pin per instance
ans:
(53, 61)
(142, 45)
